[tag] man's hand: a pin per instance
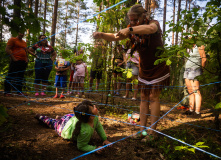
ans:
(119, 64)
(13, 58)
(123, 33)
(97, 35)
(107, 142)
(100, 150)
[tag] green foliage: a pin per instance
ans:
(191, 149)
(218, 106)
(27, 19)
(4, 61)
(3, 114)
(209, 35)
(128, 73)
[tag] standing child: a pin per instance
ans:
(79, 75)
(79, 126)
(61, 76)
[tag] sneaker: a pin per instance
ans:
(137, 136)
(133, 98)
(124, 96)
(56, 96)
(22, 94)
(184, 107)
(62, 96)
(36, 94)
(8, 95)
(37, 116)
(195, 115)
(188, 113)
(58, 117)
(43, 94)
(150, 138)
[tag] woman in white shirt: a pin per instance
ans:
(193, 68)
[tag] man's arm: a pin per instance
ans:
(124, 59)
(86, 72)
(54, 55)
(141, 29)
(8, 50)
(108, 36)
(31, 51)
(202, 55)
(26, 51)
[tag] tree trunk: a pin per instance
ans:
(147, 5)
(218, 88)
(174, 11)
(164, 18)
(16, 16)
(76, 42)
(98, 17)
(54, 22)
(183, 25)
(178, 18)
(66, 22)
(40, 6)
(27, 32)
(186, 9)
(36, 8)
(1, 25)
(45, 12)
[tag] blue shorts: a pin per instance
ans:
(60, 81)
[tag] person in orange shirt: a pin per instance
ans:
(16, 48)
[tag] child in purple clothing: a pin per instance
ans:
(79, 126)
(79, 75)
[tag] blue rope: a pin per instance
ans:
(144, 130)
(147, 129)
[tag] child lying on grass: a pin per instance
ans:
(79, 126)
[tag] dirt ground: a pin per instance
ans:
(22, 137)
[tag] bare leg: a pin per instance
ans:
(82, 88)
(155, 110)
(119, 81)
(197, 96)
(144, 109)
(97, 84)
(36, 87)
(62, 91)
(77, 87)
(44, 86)
(91, 82)
(73, 86)
(115, 83)
(190, 90)
(135, 87)
(56, 91)
(127, 87)
(69, 86)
